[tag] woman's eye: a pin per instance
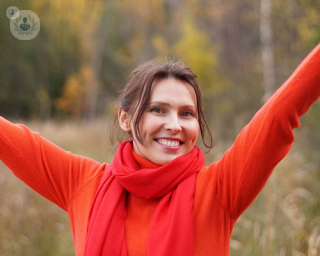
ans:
(156, 110)
(187, 113)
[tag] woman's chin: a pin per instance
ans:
(162, 160)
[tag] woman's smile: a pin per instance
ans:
(169, 143)
(173, 143)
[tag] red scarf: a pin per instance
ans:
(171, 230)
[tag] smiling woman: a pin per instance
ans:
(157, 197)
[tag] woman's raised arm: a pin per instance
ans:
(244, 169)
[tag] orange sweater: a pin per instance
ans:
(223, 190)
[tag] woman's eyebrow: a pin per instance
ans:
(167, 104)
(159, 102)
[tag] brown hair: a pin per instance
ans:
(135, 97)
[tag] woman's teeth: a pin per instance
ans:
(169, 143)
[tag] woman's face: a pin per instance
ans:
(169, 125)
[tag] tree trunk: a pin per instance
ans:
(97, 50)
(266, 49)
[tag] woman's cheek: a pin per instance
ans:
(193, 127)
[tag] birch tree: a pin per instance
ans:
(266, 49)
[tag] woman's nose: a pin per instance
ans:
(172, 124)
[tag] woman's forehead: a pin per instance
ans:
(171, 89)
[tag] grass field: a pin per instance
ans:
(283, 220)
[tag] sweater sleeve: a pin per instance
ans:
(54, 173)
(242, 172)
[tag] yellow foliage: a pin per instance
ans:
(79, 14)
(161, 45)
(145, 16)
(73, 99)
(145, 10)
(308, 26)
(196, 49)
(78, 17)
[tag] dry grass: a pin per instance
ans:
(284, 219)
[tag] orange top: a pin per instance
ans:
(139, 215)
(223, 190)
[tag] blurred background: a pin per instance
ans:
(63, 83)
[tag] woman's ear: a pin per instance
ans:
(124, 120)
